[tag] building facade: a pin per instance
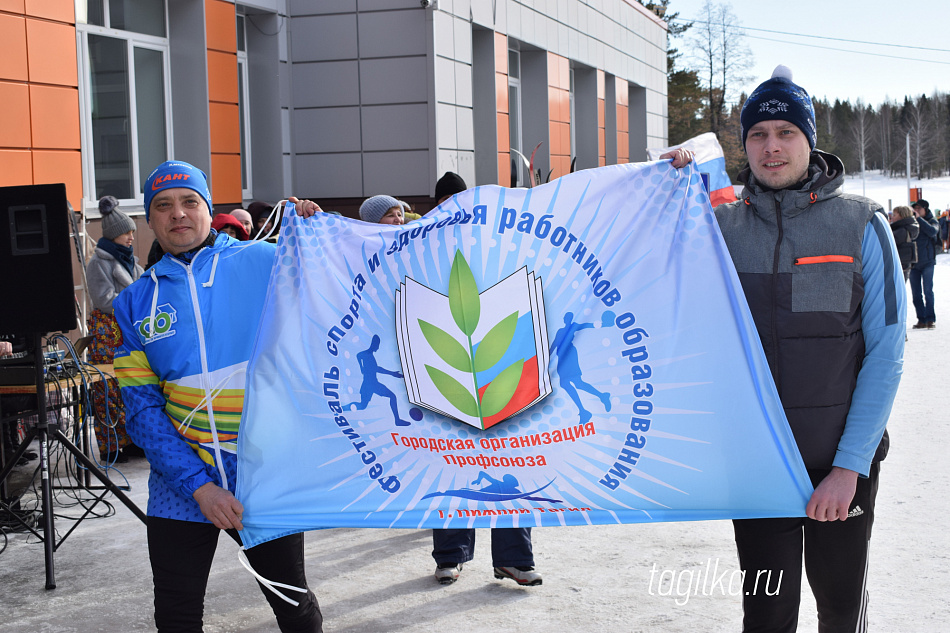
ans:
(335, 100)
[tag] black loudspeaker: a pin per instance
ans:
(36, 273)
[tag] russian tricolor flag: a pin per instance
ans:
(709, 160)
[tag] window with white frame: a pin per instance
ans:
(244, 111)
(124, 91)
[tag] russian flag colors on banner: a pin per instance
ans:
(710, 160)
(577, 353)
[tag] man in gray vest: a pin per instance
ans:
(823, 281)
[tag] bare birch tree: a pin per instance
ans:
(721, 58)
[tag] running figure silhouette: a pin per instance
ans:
(568, 368)
(371, 385)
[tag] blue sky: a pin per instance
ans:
(845, 74)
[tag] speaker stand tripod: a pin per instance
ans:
(47, 432)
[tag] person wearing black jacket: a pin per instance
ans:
(922, 273)
(905, 229)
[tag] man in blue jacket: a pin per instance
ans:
(824, 284)
(187, 329)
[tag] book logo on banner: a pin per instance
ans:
(477, 357)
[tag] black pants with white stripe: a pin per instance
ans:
(836, 556)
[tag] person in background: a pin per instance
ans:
(905, 229)
(944, 224)
(922, 272)
(448, 185)
(187, 332)
(407, 213)
(111, 269)
(227, 223)
(818, 271)
(381, 210)
(245, 219)
(260, 211)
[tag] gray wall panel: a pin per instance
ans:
(393, 80)
(328, 176)
(189, 82)
(396, 173)
(266, 120)
(323, 38)
(392, 33)
(395, 127)
(377, 5)
(327, 130)
(316, 7)
(326, 84)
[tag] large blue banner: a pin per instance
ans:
(576, 353)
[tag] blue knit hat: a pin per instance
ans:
(780, 98)
(373, 209)
(173, 174)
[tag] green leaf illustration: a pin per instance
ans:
(463, 295)
(448, 349)
(496, 343)
(460, 397)
(499, 392)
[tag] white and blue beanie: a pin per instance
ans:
(780, 98)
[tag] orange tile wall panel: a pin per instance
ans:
(220, 26)
(565, 129)
(13, 6)
(16, 167)
(601, 85)
(504, 169)
(225, 179)
(54, 117)
(501, 53)
(222, 77)
(61, 10)
(503, 131)
(14, 131)
(225, 125)
(622, 92)
(554, 136)
(623, 120)
(60, 166)
(51, 52)
(13, 64)
(501, 92)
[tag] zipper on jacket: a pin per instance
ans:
(772, 317)
(823, 259)
(205, 377)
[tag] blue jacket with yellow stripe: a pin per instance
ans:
(188, 330)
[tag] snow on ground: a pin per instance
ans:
(595, 578)
(891, 192)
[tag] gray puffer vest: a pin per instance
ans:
(798, 256)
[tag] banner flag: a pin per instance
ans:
(576, 353)
(710, 160)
